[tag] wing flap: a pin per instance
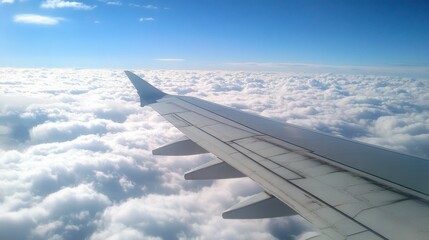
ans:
(261, 205)
(215, 169)
(182, 147)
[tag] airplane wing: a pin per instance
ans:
(347, 189)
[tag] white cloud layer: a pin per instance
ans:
(76, 162)
(394, 70)
(65, 4)
(36, 19)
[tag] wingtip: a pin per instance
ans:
(148, 93)
(131, 75)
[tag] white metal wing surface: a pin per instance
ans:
(347, 189)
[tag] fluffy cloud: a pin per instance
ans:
(63, 131)
(36, 19)
(76, 162)
(65, 4)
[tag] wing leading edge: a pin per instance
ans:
(347, 189)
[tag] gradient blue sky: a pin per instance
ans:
(215, 34)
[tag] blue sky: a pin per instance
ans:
(215, 34)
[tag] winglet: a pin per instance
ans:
(148, 93)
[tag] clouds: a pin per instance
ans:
(402, 132)
(393, 70)
(148, 6)
(48, 20)
(63, 214)
(36, 19)
(75, 5)
(76, 162)
(146, 19)
(63, 131)
(173, 216)
(48, 4)
(52, 4)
